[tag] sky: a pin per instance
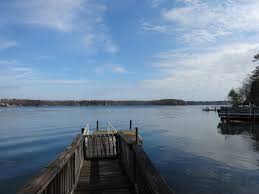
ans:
(126, 49)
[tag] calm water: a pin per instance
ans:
(192, 149)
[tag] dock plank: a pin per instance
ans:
(101, 145)
(103, 177)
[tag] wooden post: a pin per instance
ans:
(130, 124)
(97, 125)
(84, 148)
(227, 114)
(136, 136)
(117, 145)
(254, 114)
(82, 130)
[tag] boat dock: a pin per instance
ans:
(106, 161)
(238, 113)
(207, 109)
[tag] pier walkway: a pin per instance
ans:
(103, 177)
(101, 162)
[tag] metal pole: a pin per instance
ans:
(136, 135)
(130, 124)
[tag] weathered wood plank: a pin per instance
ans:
(103, 176)
(101, 145)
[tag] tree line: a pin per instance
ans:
(39, 103)
(248, 92)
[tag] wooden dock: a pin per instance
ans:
(101, 162)
(103, 176)
(238, 113)
(207, 109)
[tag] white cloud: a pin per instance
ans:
(7, 44)
(56, 14)
(203, 75)
(15, 76)
(205, 20)
(74, 18)
(11, 76)
(110, 47)
(7, 62)
(12, 70)
(155, 3)
(146, 26)
(110, 68)
(119, 69)
(64, 82)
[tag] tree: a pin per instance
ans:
(234, 98)
(254, 91)
(256, 57)
(249, 90)
(255, 74)
(245, 90)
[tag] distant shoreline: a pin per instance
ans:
(41, 103)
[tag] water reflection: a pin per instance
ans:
(248, 131)
(237, 128)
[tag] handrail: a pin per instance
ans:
(111, 128)
(153, 181)
(86, 129)
(140, 169)
(61, 175)
(140, 140)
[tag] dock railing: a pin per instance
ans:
(239, 113)
(110, 128)
(61, 175)
(139, 167)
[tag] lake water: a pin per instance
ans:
(194, 152)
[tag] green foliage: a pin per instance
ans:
(256, 57)
(255, 92)
(234, 98)
(249, 90)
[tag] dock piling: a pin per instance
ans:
(82, 130)
(136, 135)
(130, 124)
(97, 125)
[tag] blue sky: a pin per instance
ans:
(126, 49)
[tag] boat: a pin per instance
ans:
(207, 109)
